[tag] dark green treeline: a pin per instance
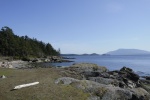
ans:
(16, 46)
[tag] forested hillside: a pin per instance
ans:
(16, 46)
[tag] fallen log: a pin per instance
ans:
(25, 85)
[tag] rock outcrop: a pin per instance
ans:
(105, 92)
(87, 67)
(13, 64)
(102, 84)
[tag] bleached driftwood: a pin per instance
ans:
(25, 85)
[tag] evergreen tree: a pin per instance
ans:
(13, 45)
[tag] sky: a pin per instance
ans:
(81, 26)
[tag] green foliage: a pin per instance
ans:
(13, 45)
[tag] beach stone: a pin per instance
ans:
(3, 76)
(10, 66)
(3, 64)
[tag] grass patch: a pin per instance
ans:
(45, 90)
(5, 72)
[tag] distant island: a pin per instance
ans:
(93, 54)
(128, 52)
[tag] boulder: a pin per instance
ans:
(128, 73)
(140, 94)
(10, 66)
(47, 60)
(3, 64)
(126, 77)
(3, 76)
(116, 93)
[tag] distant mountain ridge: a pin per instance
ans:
(128, 52)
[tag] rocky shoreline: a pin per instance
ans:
(32, 62)
(103, 84)
(98, 81)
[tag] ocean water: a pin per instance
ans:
(140, 64)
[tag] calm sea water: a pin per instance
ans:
(137, 63)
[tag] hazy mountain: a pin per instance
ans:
(129, 52)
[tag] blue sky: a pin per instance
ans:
(81, 26)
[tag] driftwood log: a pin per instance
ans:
(25, 85)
